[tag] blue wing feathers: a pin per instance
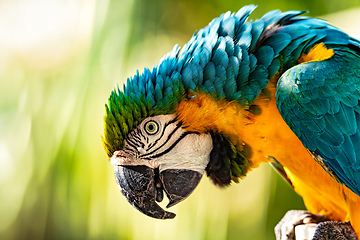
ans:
(346, 120)
(320, 103)
(331, 135)
(347, 150)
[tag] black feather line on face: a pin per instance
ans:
(162, 134)
(218, 168)
(165, 142)
(173, 145)
(133, 144)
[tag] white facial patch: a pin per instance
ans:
(161, 142)
(192, 152)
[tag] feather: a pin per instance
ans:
(269, 17)
(209, 87)
(244, 13)
(229, 46)
(265, 55)
(230, 86)
(278, 42)
(227, 26)
(283, 17)
(257, 29)
(219, 87)
(234, 65)
(209, 71)
(346, 120)
(244, 69)
(253, 62)
(274, 67)
(245, 33)
(220, 56)
(261, 76)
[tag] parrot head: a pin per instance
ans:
(169, 153)
(160, 156)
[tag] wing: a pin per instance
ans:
(320, 103)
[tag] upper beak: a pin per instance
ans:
(142, 185)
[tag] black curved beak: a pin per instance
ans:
(143, 186)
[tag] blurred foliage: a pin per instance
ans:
(59, 62)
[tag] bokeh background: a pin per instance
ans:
(59, 60)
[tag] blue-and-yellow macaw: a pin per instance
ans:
(240, 93)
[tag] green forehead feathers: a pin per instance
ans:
(151, 93)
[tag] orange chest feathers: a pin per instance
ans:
(270, 137)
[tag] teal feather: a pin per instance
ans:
(220, 71)
(219, 88)
(230, 85)
(188, 78)
(227, 27)
(269, 17)
(265, 55)
(209, 87)
(245, 33)
(274, 67)
(244, 69)
(331, 136)
(260, 75)
(286, 16)
(234, 66)
(278, 42)
(253, 62)
(220, 56)
(158, 93)
(313, 128)
(244, 13)
(257, 28)
(346, 120)
(209, 71)
(229, 46)
(297, 31)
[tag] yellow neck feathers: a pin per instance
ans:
(202, 113)
(319, 52)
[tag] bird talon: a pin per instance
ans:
(298, 224)
(285, 229)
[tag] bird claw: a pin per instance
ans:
(287, 228)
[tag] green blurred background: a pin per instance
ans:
(59, 61)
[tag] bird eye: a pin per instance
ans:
(151, 127)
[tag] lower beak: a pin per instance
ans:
(140, 187)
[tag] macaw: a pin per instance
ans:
(283, 89)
